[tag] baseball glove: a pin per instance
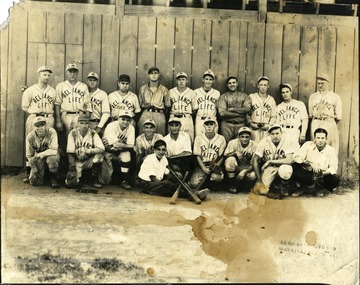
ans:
(81, 155)
(71, 178)
(260, 189)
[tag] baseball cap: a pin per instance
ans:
(124, 113)
(209, 72)
(149, 121)
(71, 66)
(153, 68)
(44, 68)
(288, 85)
(244, 130)
(124, 78)
(39, 119)
(181, 74)
(231, 77)
(263, 78)
(274, 126)
(174, 119)
(323, 76)
(210, 119)
(93, 75)
(285, 171)
(83, 117)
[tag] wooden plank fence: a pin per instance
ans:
(111, 45)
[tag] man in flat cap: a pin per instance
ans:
(325, 110)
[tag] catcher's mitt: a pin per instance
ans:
(260, 189)
(215, 168)
(71, 178)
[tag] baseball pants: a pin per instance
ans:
(37, 172)
(159, 119)
(230, 130)
(269, 175)
(231, 163)
(258, 135)
(332, 129)
(107, 168)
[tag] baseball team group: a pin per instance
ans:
(160, 137)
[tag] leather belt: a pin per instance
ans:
(324, 119)
(154, 110)
(77, 112)
(94, 120)
(287, 127)
(234, 122)
(43, 114)
(181, 115)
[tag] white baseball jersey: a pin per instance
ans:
(141, 143)
(113, 133)
(209, 150)
(291, 113)
(262, 111)
(246, 152)
(328, 105)
(76, 141)
(268, 151)
(207, 102)
(37, 100)
(35, 144)
(184, 102)
(128, 102)
(73, 98)
(99, 103)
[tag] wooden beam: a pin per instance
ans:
(262, 7)
(120, 7)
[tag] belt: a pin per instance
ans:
(94, 120)
(234, 122)
(43, 114)
(287, 127)
(77, 112)
(324, 119)
(154, 110)
(181, 115)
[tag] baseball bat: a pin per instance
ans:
(176, 193)
(185, 186)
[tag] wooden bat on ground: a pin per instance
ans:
(176, 193)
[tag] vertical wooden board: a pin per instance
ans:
(146, 51)
(343, 86)
(243, 50)
(183, 47)
(92, 44)
(220, 52)
(129, 48)
(74, 24)
(55, 27)
(308, 63)
(74, 53)
(201, 51)
(36, 27)
(55, 54)
(255, 56)
(273, 55)
(234, 47)
(291, 57)
(14, 148)
(165, 35)
(4, 53)
(327, 52)
(36, 57)
(109, 54)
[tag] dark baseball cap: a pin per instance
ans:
(231, 77)
(124, 78)
(84, 117)
(153, 68)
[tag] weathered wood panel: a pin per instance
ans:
(55, 27)
(37, 27)
(234, 47)
(183, 47)
(146, 49)
(273, 54)
(74, 28)
(74, 53)
(4, 61)
(36, 57)
(164, 53)
(129, 48)
(243, 54)
(92, 44)
(56, 61)
(14, 144)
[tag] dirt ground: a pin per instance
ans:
(120, 236)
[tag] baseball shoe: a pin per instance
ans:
(26, 180)
(54, 183)
(97, 185)
(274, 195)
(125, 185)
(202, 194)
(233, 190)
(297, 194)
(322, 193)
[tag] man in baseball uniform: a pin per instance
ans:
(233, 107)
(99, 104)
(85, 151)
(124, 99)
(207, 98)
(209, 148)
(183, 104)
(292, 116)
(325, 110)
(263, 110)
(238, 161)
(119, 141)
(315, 165)
(38, 100)
(41, 151)
(153, 99)
(271, 152)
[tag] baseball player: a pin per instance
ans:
(99, 104)
(315, 165)
(153, 102)
(209, 148)
(41, 150)
(183, 104)
(283, 185)
(38, 100)
(119, 140)
(123, 99)
(292, 116)
(207, 98)
(72, 98)
(325, 110)
(272, 151)
(262, 111)
(233, 107)
(85, 151)
(238, 161)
